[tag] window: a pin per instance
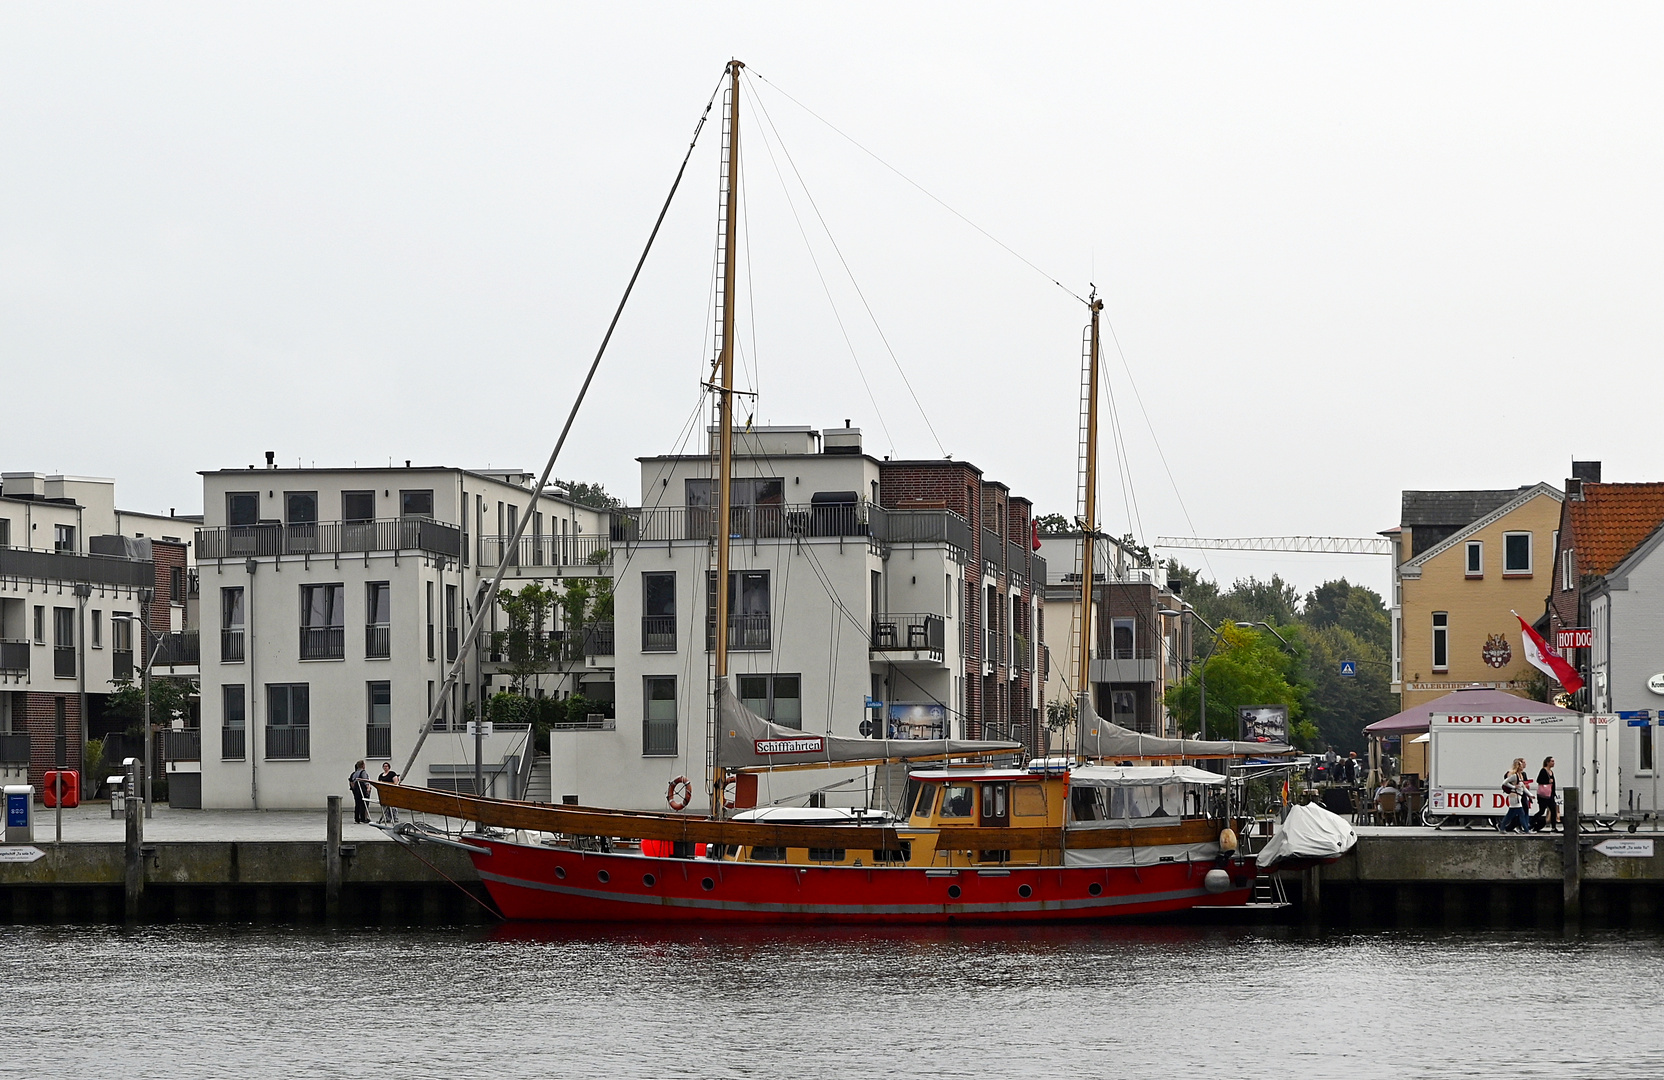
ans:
(322, 622)
(378, 737)
(300, 507)
(231, 625)
(1441, 641)
(121, 632)
(1516, 553)
(63, 642)
(176, 584)
(97, 629)
(450, 623)
(40, 625)
(958, 801)
(1476, 558)
(768, 854)
(1568, 570)
(1028, 800)
(5, 532)
(417, 504)
(1644, 760)
(430, 620)
(778, 698)
(242, 508)
(63, 538)
(358, 506)
(658, 724)
(823, 854)
(1121, 643)
(378, 628)
(288, 720)
(658, 612)
(927, 799)
(748, 610)
(232, 746)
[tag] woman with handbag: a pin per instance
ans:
(1514, 786)
(1548, 810)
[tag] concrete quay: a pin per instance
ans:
(235, 866)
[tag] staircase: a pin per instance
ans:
(538, 786)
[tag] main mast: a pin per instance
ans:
(1088, 522)
(722, 517)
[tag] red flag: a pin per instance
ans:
(1036, 535)
(1544, 659)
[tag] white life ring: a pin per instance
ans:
(730, 793)
(679, 794)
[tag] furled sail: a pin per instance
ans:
(1101, 739)
(746, 740)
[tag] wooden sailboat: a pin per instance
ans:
(1057, 839)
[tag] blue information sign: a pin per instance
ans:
(1349, 668)
(17, 810)
(1640, 723)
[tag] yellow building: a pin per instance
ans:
(1465, 561)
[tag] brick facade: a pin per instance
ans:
(40, 719)
(169, 557)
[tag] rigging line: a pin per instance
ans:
(1123, 467)
(1010, 250)
(750, 294)
(852, 281)
(488, 596)
(1155, 438)
(836, 314)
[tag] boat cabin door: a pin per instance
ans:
(996, 808)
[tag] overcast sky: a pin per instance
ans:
(1345, 250)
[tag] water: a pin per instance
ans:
(1078, 1002)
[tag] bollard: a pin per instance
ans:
(1311, 897)
(332, 863)
(1571, 865)
(135, 861)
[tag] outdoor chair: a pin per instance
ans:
(1386, 808)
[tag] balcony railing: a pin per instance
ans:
(658, 633)
(746, 633)
(60, 566)
(556, 551)
(231, 646)
(328, 538)
(14, 657)
(231, 744)
(913, 631)
(1037, 568)
(178, 647)
(598, 640)
(378, 740)
(745, 522)
(14, 749)
(63, 661)
(920, 527)
(1016, 559)
(658, 738)
(182, 745)
(378, 641)
(288, 742)
(121, 665)
(994, 655)
(323, 643)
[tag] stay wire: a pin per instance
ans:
(1002, 244)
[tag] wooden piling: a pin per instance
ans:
(332, 863)
(134, 860)
(1571, 864)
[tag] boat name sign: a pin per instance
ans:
(813, 744)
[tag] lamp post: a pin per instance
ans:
(150, 658)
(1201, 670)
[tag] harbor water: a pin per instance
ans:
(1141, 1001)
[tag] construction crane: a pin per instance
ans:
(1313, 545)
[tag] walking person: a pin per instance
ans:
(1514, 786)
(1548, 810)
(359, 781)
(389, 814)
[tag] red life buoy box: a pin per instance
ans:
(71, 781)
(658, 849)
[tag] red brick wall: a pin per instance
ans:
(40, 720)
(166, 556)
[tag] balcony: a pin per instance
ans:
(323, 643)
(14, 658)
(378, 641)
(231, 744)
(328, 538)
(182, 745)
(288, 743)
(181, 647)
(63, 661)
(93, 569)
(1037, 569)
(746, 633)
(912, 637)
(560, 552)
(231, 646)
(658, 738)
(598, 640)
(378, 740)
(14, 749)
(1125, 670)
(658, 633)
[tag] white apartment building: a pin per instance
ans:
(334, 600)
(856, 608)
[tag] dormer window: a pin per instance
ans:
(1476, 559)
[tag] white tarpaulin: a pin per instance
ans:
(1309, 832)
(1139, 775)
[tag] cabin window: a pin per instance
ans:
(958, 800)
(1083, 802)
(768, 854)
(826, 854)
(1028, 800)
(927, 799)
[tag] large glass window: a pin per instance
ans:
(231, 625)
(288, 720)
(958, 801)
(322, 622)
(63, 538)
(63, 642)
(378, 629)
(748, 610)
(1516, 553)
(232, 722)
(242, 508)
(658, 612)
(658, 725)
(358, 506)
(416, 503)
(300, 507)
(1122, 631)
(778, 698)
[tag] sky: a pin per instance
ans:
(1344, 250)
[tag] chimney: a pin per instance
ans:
(1587, 471)
(271, 459)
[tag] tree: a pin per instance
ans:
(170, 700)
(1054, 525)
(525, 646)
(1246, 668)
(591, 495)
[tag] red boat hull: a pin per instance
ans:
(544, 883)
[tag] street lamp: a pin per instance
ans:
(1202, 670)
(150, 658)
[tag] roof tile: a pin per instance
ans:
(1611, 521)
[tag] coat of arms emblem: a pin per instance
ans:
(1497, 652)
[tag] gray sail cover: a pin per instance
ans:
(1101, 739)
(746, 740)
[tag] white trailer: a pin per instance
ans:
(1469, 753)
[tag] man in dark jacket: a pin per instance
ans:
(359, 782)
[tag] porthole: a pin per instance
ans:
(953, 892)
(647, 880)
(1094, 889)
(1024, 891)
(560, 872)
(603, 877)
(707, 884)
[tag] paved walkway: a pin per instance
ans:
(91, 822)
